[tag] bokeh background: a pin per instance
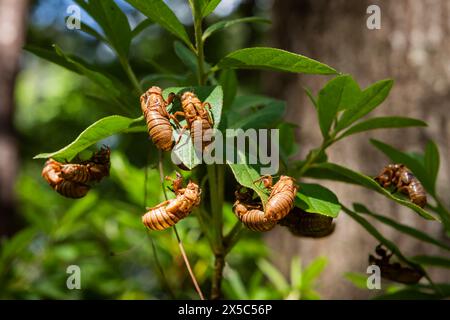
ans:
(43, 107)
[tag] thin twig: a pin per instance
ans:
(180, 243)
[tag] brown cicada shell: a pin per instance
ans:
(198, 119)
(282, 196)
(305, 224)
(250, 212)
(169, 212)
(403, 180)
(394, 271)
(154, 108)
(94, 169)
(70, 189)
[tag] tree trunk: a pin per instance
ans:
(412, 47)
(12, 25)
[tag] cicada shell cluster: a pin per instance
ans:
(305, 224)
(198, 118)
(394, 271)
(72, 180)
(279, 204)
(169, 212)
(403, 180)
(154, 108)
(250, 211)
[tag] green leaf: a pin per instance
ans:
(228, 81)
(273, 59)
(315, 198)
(370, 183)
(264, 117)
(275, 276)
(236, 284)
(370, 98)
(431, 162)
(401, 227)
(246, 175)
(359, 280)
(209, 7)
(186, 56)
(296, 273)
(96, 132)
(52, 56)
(225, 24)
(383, 123)
(288, 145)
(332, 98)
(144, 24)
(159, 12)
(408, 294)
(432, 261)
(312, 271)
(185, 150)
(411, 162)
(92, 32)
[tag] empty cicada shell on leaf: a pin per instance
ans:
(305, 224)
(402, 179)
(154, 108)
(250, 212)
(169, 212)
(394, 271)
(282, 197)
(198, 118)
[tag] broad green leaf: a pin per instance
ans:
(184, 151)
(186, 56)
(144, 24)
(246, 175)
(273, 59)
(431, 162)
(377, 235)
(275, 276)
(228, 81)
(401, 227)
(370, 98)
(288, 145)
(209, 7)
(383, 123)
(96, 132)
(315, 198)
(312, 271)
(370, 183)
(225, 24)
(411, 162)
(264, 117)
(331, 100)
(250, 101)
(159, 12)
(114, 24)
(432, 261)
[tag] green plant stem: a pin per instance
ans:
(199, 45)
(131, 75)
(180, 243)
(314, 155)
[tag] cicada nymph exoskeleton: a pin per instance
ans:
(72, 179)
(94, 169)
(198, 118)
(305, 224)
(281, 198)
(394, 271)
(169, 212)
(154, 108)
(70, 189)
(250, 211)
(403, 180)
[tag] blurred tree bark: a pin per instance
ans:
(412, 47)
(12, 33)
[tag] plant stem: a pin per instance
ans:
(131, 75)
(180, 243)
(219, 264)
(199, 45)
